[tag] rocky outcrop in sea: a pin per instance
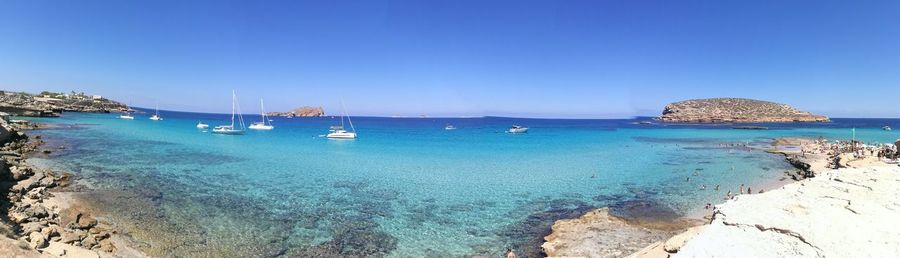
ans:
(49, 104)
(735, 110)
(301, 112)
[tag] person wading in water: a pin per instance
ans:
(510, 253)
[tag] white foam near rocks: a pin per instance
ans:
(851, 212)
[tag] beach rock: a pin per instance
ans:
(598, 234)
(19, 173)
(37, 240)
(71, 237)
(36, 211)
(86, 222)
(28, 228)
(51, 231)
(89, 242)
(69, 251)
(849, 212)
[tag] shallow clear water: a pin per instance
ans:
(406, 187)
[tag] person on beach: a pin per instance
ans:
(717, 187)
(688, 179)
(510, 253)
(749, 191)
(742, 189)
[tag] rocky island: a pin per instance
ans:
(301, 112)
(50, 104)
(728, 110)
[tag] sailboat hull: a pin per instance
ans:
(261, 127)
(228, 131)
(341, 135)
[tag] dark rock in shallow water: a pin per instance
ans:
(527, 237)
(643, 210)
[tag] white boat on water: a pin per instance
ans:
(201, 125)
(886, 128)
(517, 129)
(156, 116)
(338, 132)
(265, 124)
(449, 127)
(231, 129)
(126, 116)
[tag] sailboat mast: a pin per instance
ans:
(233, 97)
(344, 112)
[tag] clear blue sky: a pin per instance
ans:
(514, 58)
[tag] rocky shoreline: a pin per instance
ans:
(40, 219)
(48, 104)
(844, 182)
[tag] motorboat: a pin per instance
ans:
(886, 128)
(449, 127)
(231, 129)
(338, 132)
(517, 129)
(201, 125)
(266, 123)
(126, 116)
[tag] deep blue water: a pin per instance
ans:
(406, 187)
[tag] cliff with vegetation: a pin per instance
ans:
(301, 111)
(50, 104)
(726, 110)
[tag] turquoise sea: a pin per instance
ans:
(406, 187)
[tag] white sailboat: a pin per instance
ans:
(266, 124)
(156, 116)
(338, 132)
(230, 129)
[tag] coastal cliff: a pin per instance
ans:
(49, 104)
(301, 112)
(727, 110)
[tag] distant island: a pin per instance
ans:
(51, 104)
(301, 111)
(727, 110)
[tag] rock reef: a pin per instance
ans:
(48, 104)
(737, 110)
(301, 112)
(599, 234)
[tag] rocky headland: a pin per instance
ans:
(39, 218)
(843, 204)
(49, 104)
(735, 110)
(300, 112)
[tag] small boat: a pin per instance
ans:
(886, 128)
(201, 125)
(449, 127)
(126, 116)
(262, 125)
(230, 129)
(156, 116)
(338, 132)
(517, 129)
